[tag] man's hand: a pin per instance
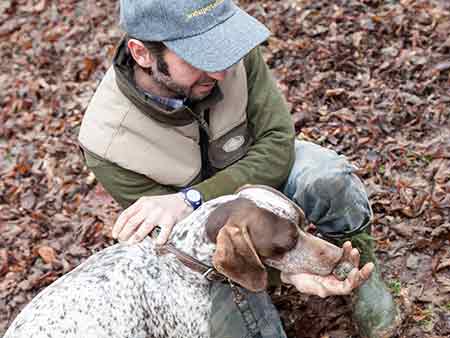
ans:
(139, 219)
(324, 286)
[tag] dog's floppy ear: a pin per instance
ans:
(236, 258)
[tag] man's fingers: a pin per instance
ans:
(353, 279)
(350, 254)
(144, 229)
(358, 277)
(136, 222)
(354, 257)
(366, 271)
(158, 218)
(324, 286)
(347, 248)
(163, 236)
(123, 219)
(131, 226)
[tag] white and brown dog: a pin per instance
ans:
(131, 291)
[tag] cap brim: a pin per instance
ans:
(222, 46)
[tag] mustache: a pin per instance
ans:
(206, 82)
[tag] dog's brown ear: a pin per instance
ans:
(236, 258)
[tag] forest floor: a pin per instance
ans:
(368, 78)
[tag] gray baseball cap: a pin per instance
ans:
(211, 35)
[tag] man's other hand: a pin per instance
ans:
(324, 286)
(139, 219)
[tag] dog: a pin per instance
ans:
(135, 291)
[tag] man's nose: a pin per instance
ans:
(219, 76)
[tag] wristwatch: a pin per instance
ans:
(192, 197)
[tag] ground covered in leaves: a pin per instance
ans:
(369, 78)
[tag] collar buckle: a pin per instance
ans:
(213, 276)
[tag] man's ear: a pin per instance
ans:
(236, 258)
(140, 53)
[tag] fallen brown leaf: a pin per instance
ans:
(47, 254)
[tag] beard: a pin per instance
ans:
(161, 76)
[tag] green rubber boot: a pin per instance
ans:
(374, 309)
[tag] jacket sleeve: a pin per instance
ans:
(125, 186)
(270, 158)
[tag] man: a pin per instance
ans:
(189, 112)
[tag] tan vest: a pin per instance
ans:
(113, 128)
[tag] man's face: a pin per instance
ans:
(182, 79)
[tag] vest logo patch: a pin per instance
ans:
(233, 144)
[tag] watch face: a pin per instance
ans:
(193, 195)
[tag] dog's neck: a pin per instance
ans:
(189, 235)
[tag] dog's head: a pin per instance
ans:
(245, 235)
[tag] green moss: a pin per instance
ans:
(395, 286)
(447, 306)
(427, 322)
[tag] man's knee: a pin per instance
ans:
(255, 312)
(325, 185)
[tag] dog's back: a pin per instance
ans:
(122, 291)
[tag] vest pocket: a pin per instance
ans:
(230, 147)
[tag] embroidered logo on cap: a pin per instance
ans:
(204, 10)
(233, 143)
